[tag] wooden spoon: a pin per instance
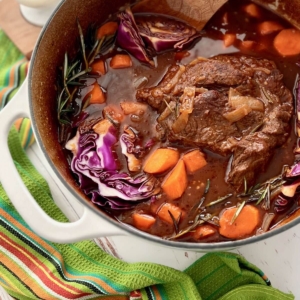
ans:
(194, 12)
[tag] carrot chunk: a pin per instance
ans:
(142, 221)
(194, 160)
(204, 231)
(121, 61)
(229, 39)
(98, 67)
(161, 160)
(108, 28)
(287, 42)
(175, 183)
(164, 214)
(97, 96)
(244, 225)
(252, 10)
(268, 27)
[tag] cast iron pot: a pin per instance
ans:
(36, 99)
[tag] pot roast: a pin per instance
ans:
(229, 104)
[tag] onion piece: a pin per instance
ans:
(236, 100)
(181, 122)
(187, 100)
(238, 113)
(289, 190)
(267, 220)
(130, 107)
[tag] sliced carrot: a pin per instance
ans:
(268, 27)
(130, 107)
(108, 28)
(252, 10)
(175, 183)
(244, 225)
(97, 96)
(121, 61)
(287, 42)
(229, 39)
(194, 160)
(98, 67)
(161, 160)
(164, 214)
(142, 221)
(204, 231)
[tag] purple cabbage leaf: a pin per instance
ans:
(129, 39)
(163, 33)
(94, 163)
(145, 36)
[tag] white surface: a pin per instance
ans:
(37, 12)
(278, 257)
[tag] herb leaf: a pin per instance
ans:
(238, 211)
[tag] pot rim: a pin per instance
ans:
(132, 230)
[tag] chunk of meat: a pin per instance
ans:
(253, 138)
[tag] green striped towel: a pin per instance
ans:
(33, 268)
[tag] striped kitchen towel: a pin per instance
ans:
(34, 268)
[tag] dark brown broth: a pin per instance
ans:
(210, 45)
(119, 87)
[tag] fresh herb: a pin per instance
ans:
(168, 105)
(221, 199)
(175, 222)
(265, 194)
(198, 221)
(202, 199)
(238, 211)
(256, 127)
(245, 185)
(73, 73)
(264, 191)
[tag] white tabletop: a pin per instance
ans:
(278, 257)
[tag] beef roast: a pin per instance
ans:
(252, 138)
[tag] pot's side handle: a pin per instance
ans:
(86, 227)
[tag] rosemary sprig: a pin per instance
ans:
(202, 199)
(65, 74)
(256, 127)
(221, 199)
(168, 105)
(74, 72)
(198, 221)
(175, 222)
(245, 185)
(82, 45)
(238, 211)
(263, 195)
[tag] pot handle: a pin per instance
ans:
(88, 226)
